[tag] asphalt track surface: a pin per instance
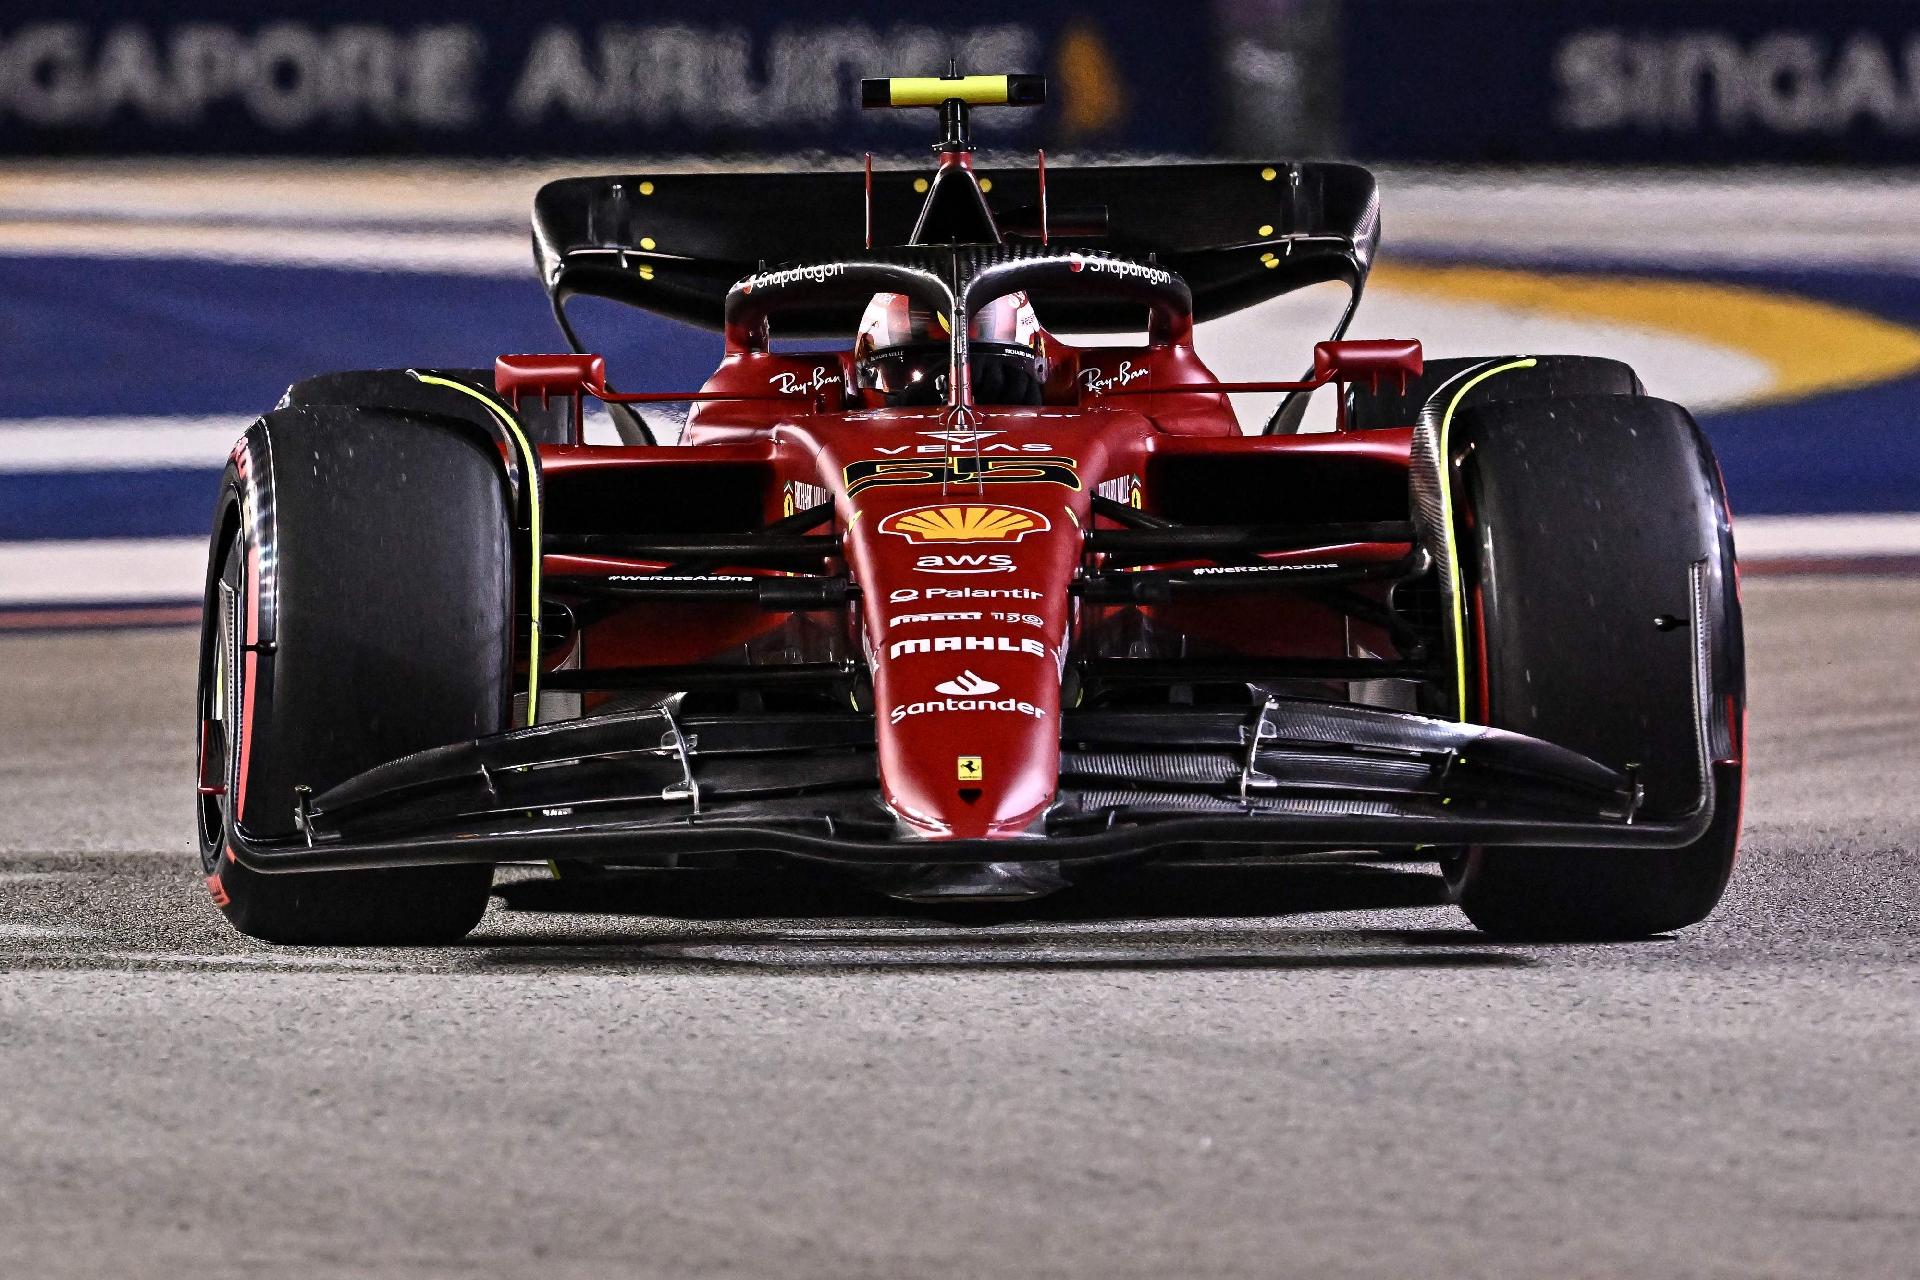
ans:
(1307, 1072)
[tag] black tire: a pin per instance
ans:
(1583, 527)
(359, 605)
(1549, 376)
(400, 391)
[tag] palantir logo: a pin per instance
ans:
(966, 685)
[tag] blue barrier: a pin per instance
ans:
(236, 334)
(491, 77)
(1642, 81)
(180, 346)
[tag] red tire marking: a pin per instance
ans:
(250, 635)
(1480, 641)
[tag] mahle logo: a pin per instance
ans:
(965, 644)
(950, 524)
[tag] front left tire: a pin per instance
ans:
(358, 608)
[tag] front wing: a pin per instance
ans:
(647, 787)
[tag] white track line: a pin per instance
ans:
(1757, 218)
(477, 253)
(116, 444)
(102, 570)
(116, 570)
(15, 930)
(296, 961)
(1761, 538)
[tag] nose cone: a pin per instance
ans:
(966, 604)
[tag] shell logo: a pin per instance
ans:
(965, 524)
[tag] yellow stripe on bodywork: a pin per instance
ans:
(532, 468)
(1441, 460)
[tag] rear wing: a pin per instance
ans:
(1238, 233)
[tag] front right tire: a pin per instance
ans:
(1386, 406)
(1590, 536)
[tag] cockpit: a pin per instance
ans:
(959, 325)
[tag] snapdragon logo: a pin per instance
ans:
(812, 274)
(1119, 267)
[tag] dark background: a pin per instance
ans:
(1448, 81)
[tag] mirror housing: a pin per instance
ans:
(1368, 360)
(555, 375)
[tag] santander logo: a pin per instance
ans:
(966, 685)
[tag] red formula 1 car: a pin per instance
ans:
(958, 607)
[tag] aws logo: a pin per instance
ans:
(963, 562)
(961, 469)
(951, 524)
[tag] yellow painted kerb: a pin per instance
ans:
(1807, 345)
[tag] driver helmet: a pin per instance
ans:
(901, 351)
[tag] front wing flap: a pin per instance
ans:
(1290, 773)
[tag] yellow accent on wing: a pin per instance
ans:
(931, 91)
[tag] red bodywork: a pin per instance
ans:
(964, 533)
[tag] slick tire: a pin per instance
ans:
(1589, 533)
(1547, 377)
(399, 391)
(358, 608)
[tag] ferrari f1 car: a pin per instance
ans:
(954, 605)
